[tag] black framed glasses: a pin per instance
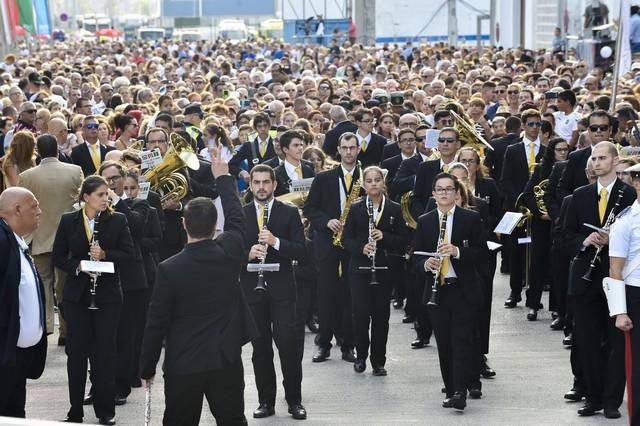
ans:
(598, 128)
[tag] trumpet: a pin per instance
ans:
(260, 287)
(94, 275)
(434, 300)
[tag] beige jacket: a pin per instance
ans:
(56, 186)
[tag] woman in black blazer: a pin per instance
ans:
(370, 303)
(92, 333)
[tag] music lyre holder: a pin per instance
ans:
(373, 268)
(261, 268)
(94, 269)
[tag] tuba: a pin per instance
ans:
(165, 178)
(469, 136)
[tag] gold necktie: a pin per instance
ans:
(602, 204)
(532, 154)
(347, 180)
(260, 217)
(444, 269)
(445, 168)
(263, 148)
(95, 155)
(298, 171)
(363, 146)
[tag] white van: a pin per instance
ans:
(233, 30)
(149, 33)
(187, 35)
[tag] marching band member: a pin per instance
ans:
(256, 151)
(458, 285)
(331, 193)
(279, 239)
(92, 333)
(293, 167)
(374, 229)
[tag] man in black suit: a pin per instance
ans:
(407, 142)
(371, 144)
(199, 308)
(338, 116)
(408, 120)
(23, 337)
(458, 287)
(279, 239)
(89, 155)
(293, 167)
(494, 159)
(518, 159)
(324, 207)
(600, 345)
(600, 129)
(405, 178)
(257, 151)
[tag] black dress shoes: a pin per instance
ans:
(321, 355)
(557, 324)
(398, 304)
(459, 401)
(120, 400)
(109, 421)
(419, 343)
(568, 340)
(475, 393)
(512, 300)
(297, 411)
(264, 410)
(612, 413)
(589, 409)
(71, 419)
(447, 403)
(348, 355)
(486, 371)
(313, 326)
(532, 315)
(408, 319)
(574, 395)
(379, 371)
(359, 365)
(88, 400)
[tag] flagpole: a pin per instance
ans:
(616, 68)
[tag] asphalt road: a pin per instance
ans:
(532, 368)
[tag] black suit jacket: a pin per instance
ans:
(551, 195)
(132, 271)
(330, 145)
(82, 157)
(71, 246)
(323, 204)
(487, 190)
(201, 182)
(356, 234)
(246, 153)
(515, 172)
(285, 224)
(10, 266)
(392, 165)
(197, 303)
(390, 150)
(283, 178)
(574, 175)
(467, 236)
(584, 209)
(373, 155)
(405, 178)
(424, 179)
(494, 159)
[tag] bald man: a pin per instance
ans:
(57, 128)
(23, 339)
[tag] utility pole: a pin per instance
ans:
(365, 19)
(453, 23)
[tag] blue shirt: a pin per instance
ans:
(634, 33)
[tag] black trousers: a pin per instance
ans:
(399, 286)
(453, 325)
(13, 383)
(633, 309)
(91, 334)
(130, 331)
(276, 322)
(422, 323)
(484, 317)
(371, 305)
(304, 289)
(559, 262)
(334, 301)
(223, 388)
(600, 347)
(517, 255)
(540, 247)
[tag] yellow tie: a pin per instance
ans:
(298, 171)
(445, 168)
(444, 269)
(95, 155)
(364, 145)
(532, 154)
(260, 217)
(347, 179)
(602, 204)
(263, 148)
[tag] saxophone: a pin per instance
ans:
(354, 194)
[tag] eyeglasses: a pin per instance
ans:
(468, 161)
(447, 140)
(112, 179)
(598, 128)
(91, 126)
(535, 124)
(407, 140)
(323, 87)
(447, 190)
(29, 111)
(500, 91)
(513, 92)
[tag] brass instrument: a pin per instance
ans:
(165, 179)
(434, 300)
(538, 193)
(469, 136)
(372, 256)
(260, 287)
(354, 194)
(607, 225)
(526, 222)
(94, 275)
(405, 204)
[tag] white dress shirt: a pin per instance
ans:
(608, 187)
(291, 170)
(29, 303)
(363, 141)
(343, 195)
(527, 142)
(624, 241)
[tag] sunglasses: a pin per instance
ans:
(447, 140)
(90, 126)
(420, 138)
(599, 128)
(512, 92)
(324, 87)
(535, 124)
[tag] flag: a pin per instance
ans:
(26, 15)
(43, 25)
(624, 28)
(13, 16)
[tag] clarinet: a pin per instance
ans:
(433, 301)
(372, 256)
(94, 275)
(260, 288)
(607, 225)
